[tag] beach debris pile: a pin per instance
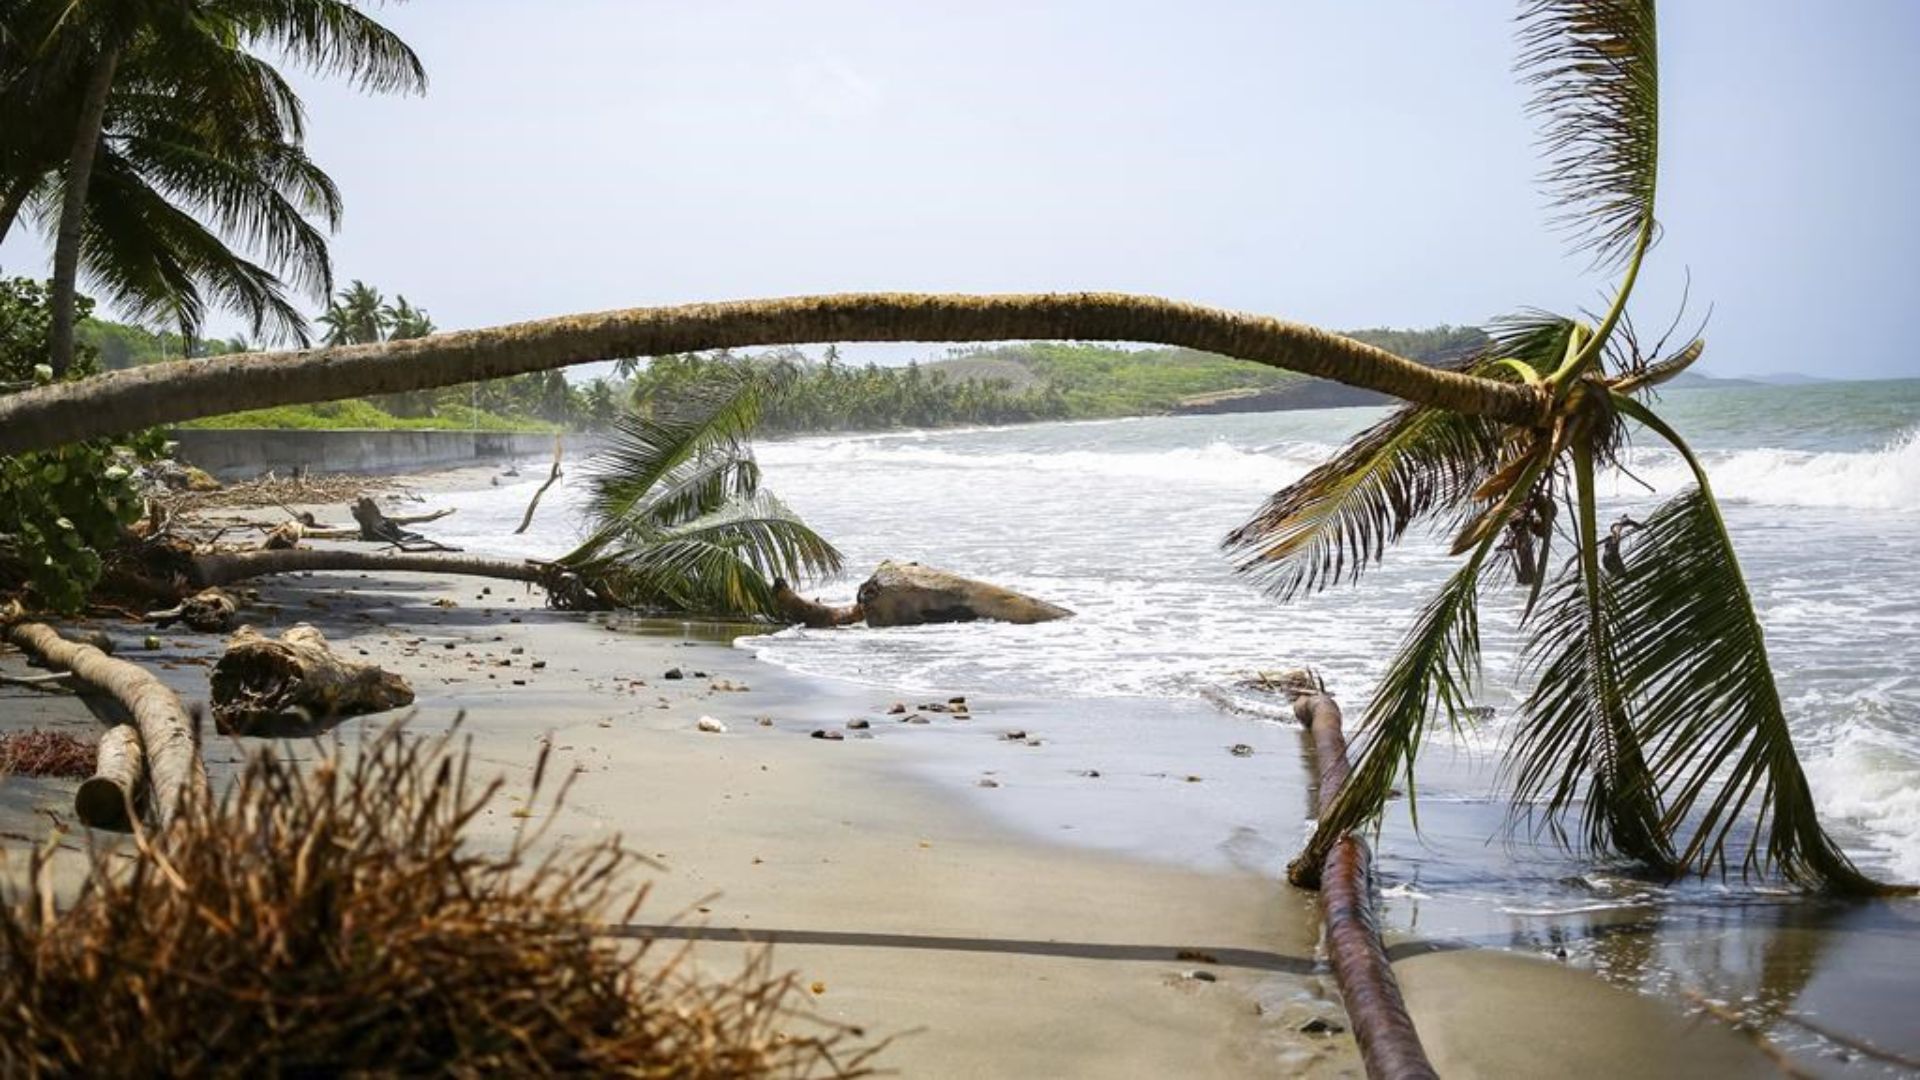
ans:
(295, 682)
(37, 752)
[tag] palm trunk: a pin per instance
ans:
(66, 251)
(10, 208)
(166, 393)
(211, 570)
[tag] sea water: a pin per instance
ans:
(1122, 522)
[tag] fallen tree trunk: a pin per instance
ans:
(262, 684)
(813, 614)
(908, 594)
(227, 568)
(1389, 1045)
(377, 527)
(173, 758)
(210, 611)
(110, 798)
(157, 394)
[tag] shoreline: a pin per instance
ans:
(918, 903)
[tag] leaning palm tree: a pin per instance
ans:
(1654, 729)
(678, 519)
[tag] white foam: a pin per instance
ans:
(1869, 775)
(1218, 463)
(1884, 479)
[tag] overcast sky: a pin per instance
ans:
(1346, 164)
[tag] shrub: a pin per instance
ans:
(333, 919)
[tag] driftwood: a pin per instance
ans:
(1389, 1045)
(908, 594)
(376, 526)
(172, 755)
(210, 611)
(284, 536)
(110, 798)
(527, 518)
(795, 608)
(264, 685)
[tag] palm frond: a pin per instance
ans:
(1578, 745)
(1694, 654)
(724, 563)
(333, 37)
(1435, 670)
(1340, 518)
(702, 486)
(1593, 67)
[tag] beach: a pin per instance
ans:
(1037, 937)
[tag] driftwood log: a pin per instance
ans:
(173, 759)
(377, 527)
(210, 611)
(534, 504)
(909, 594)
(110, 798)
(284, 536)
(1389, 1045)
(813, 614)
(265, 685)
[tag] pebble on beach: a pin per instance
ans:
(708, 723)
(831, 736)
(858, 725)
(1240, 750)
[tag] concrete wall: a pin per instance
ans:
(244, 454)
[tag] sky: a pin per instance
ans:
(1343, 164)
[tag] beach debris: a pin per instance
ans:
(263, 685)
(110, 797)
(35, 752)
(1016, 735)
(1198, 956)
(1240, 750)
(763, 721)
(210, 611)
(445, 602)
(896, 708)
(285, 536)
(674, 673)
(1200, 975)
(1091, 774)
(1321, 1026)
(708, 723)
(1192, 779)
(831, 736)
(909, 594)
(812, 614)
(959, 702)
(857, 724)
(817, 988)
(537, 665)
(933, 706)
(377, 527)
(517, 650)
(151, 643)
(987, 782)
(727, 686)
(559, 443)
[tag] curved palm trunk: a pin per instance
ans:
(66, 250)
(165, 393)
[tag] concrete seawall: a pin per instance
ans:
(244, 454)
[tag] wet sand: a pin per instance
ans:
(883, 872)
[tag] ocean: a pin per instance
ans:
(1122, 520)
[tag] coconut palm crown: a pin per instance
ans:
(1653, 729)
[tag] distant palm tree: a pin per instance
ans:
(358, 316)
(678, 518)
(405, 322)
(1655, 725)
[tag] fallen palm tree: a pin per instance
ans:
(333, 919)
(172, 753)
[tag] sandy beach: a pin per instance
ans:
(979, 948)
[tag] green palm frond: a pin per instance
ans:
(702, 486)
(1594, 69)
(1578, 745)
(711, 416)
(332, 37)
(1435, 670)
(1694, 654)
(1340, 518)
(723, 563)
(157, 263)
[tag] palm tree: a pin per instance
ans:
(80, 67)
(1654, 728)
(679, 519)
(358, 316)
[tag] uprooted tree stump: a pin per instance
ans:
(377, 527)
(909, 594)
(812, 614)
(210, 611)
(110, 798)
(268, 686)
